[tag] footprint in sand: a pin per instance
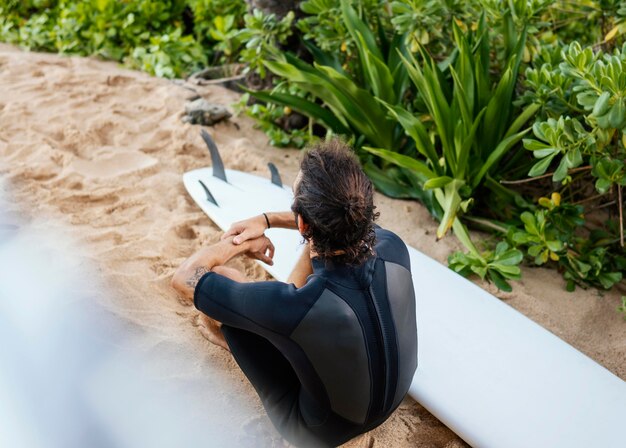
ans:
(113, 165)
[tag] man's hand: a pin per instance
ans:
(248, 229)
(262, 249)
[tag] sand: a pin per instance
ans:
(102, 150)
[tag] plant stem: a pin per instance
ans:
(543, 176)
(487, 224)
(606, 204)
(590, 198)
(621, 215)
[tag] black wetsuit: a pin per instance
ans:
(332, 359)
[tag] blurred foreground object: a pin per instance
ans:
(75, 374)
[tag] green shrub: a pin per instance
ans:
(157, 36)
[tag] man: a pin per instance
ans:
(332, 352)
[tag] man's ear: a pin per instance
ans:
(302, 226)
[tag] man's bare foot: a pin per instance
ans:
(211, 329)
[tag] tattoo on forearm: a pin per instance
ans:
(195, 278)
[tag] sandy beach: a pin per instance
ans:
(101, 150)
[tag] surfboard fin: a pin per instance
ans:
(276, 180)
(209, 196)
(216, 159)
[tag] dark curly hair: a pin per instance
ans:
(336, 200)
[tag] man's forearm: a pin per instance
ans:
(283, 220)
(191, 271)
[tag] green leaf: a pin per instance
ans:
(561, 171)
(541, 153)
(376, 72)
(356, 25)
(463, 161)
(497, 109)
(499, 281)
(603, 185)
(481, 271)
(427, 82)
(534, 251)
(522, 118)
(450, 201)
(342, 96)
(401, 160)
(379, 128)
(530, 223)
(461, 233)
(602, 104)
(554, 246)
(437, 182)
(507, 270)
(607, 280)
(617, 114)
(535, 145)
(417, 131)
(512, 257)
(304, 106)
(387, 185)
(540, 167)
(497, 154)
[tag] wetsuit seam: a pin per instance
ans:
(313, 302)
(392, 393)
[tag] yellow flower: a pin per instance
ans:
(286, 110)
(461, 25)
(344, 46)
(556, 198)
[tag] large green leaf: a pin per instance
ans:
(437, 182)
(497, 108)
(398, 47)
(402, 160)
(322, 57)
(522, 118)
(314, 82)
(370, 118)
(376, 73)
(343, 97)
(463, 165)
(496, 155)
(465, 67)
(427, 82)
(400, 183)
(450, 200)
(387, 185)
(417, 131)
(304, 106)
(356, 26)
(460, 231)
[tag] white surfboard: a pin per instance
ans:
(493, 376)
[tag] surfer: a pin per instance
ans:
(332, 351)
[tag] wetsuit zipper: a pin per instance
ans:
(384, 351)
